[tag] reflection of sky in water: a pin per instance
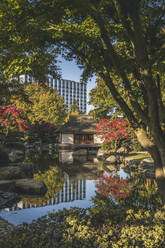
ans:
(29, 214)
(122, 174)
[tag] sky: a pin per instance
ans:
(71, 71)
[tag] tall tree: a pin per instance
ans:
(117, 38)
(24, 46)
(123, 39)
(74, 108)
(44, 104)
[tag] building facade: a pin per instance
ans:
(68, 89)
(79, 130)
(67, 194)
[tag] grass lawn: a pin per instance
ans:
(139, 156)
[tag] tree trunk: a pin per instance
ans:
(158, 155)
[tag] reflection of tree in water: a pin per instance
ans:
(145, 191)
(113, 185)
(54, 181)
(135, 192)
(74, 183)
(42, 161)
(145, 194)
(119, 200)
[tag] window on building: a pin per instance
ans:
(30, 79)
(56, 83)
(83, 139)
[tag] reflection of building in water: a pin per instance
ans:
(66, 157)
(77, 157)
(67, 194)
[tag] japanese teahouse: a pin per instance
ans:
(79, 130)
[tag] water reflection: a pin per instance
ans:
(114, 185)
(74, 183)
(66, 157)
(67, 194)
(77, 157)
(68, 186)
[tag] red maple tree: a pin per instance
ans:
(109, 185)
(12, 117)
(110, 130)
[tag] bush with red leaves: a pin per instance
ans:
(112, 130)
(12, 118)
(109, 185)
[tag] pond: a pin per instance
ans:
(73, 182)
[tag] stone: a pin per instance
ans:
(100, 153)
(16, 172)
(30, 187)
(112, 167)
(7, 185)
(80, 152)
(132, 162)
(96, 161)
(7, 199)
(147, 163)
(16, 155)
(4, 158)
(150, 174)
(111, 159)
(103, 154)
(122, 150)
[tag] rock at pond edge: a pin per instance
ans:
(30, 187)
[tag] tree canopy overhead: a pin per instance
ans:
(24, 46)
(122, 41)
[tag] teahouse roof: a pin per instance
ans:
(78, 124)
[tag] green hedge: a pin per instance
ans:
(80, 228)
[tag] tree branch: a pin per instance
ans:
(106, 77)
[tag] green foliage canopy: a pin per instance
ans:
(103, 102)
(118, 40)
(24, 46)
(74, 108)
(44, 104)
(124, 40)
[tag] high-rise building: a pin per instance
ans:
(68, 193)
(68, 89)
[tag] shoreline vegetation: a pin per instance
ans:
(104, 225)
(76, 228)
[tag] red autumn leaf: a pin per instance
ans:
(115, 186)
(12, 117)
(110, 130)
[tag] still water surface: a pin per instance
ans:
(70, 184)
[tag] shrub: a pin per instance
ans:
(78, 228)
